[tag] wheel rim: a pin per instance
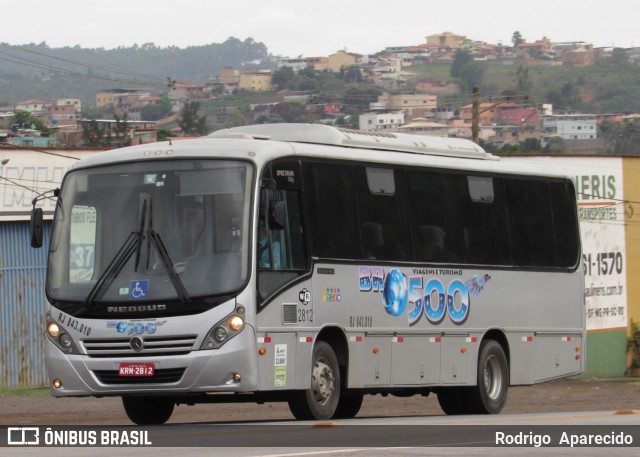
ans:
(493, 378)
(322, 381)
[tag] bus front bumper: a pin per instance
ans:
(231, 368)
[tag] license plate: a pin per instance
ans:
(136, 369)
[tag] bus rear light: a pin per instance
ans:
(262, 351)
(376, 350)
(578, 348)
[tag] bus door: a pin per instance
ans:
(285, 305)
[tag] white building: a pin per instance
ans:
(571, 126)
(385, 122)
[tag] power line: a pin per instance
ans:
(30, 63)
(83, 64)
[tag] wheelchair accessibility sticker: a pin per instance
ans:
(139, 289)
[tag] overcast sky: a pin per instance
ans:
(297, 27)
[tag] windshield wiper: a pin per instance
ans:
(132, 244)
(167, 263)
(155, 239)
(115, 267)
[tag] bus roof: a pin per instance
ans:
(388, 141)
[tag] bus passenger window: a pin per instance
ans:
(372, 240)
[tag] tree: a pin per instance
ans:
(281, 78)
(358, 97)
(468, 71)
(163, 134)
(517, 39)
(156, 111)
(120, 135)
(524, 83)
(460, 59)
(94, 135)
(190, 122)
(25, 117)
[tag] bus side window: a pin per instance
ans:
(281, 251)
(484, 220)
(384, 214)
(435, 218)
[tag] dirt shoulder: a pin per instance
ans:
(567, 395)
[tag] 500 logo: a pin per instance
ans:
(417, 298)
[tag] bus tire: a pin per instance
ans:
(348, 406)
(490, 394)
(450, 400)
(148, 410)
(320, 401)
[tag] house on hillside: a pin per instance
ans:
(343, 59)
(413, 105)
(489, 112)
(381, 122)
(422, 126)
(571, 126)
(34, 105)
(300, 63)
(446, 40)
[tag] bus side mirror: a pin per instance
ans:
(36, 227)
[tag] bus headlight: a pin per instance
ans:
(65, 340)
(235, 323)
(53, 329)
(60, 337)
(220, 334)
(224, 330)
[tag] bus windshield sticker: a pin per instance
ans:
(139, 289)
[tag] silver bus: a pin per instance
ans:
(312, 265)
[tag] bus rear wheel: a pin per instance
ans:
(490, 394)
(450, 400)
(148, 410)
(320, 401)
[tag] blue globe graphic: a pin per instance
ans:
(395, 294)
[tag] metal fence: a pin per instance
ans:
(22, 307)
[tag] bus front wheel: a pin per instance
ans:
(490, 394)
(320, 401)
(348, 406)
(148, 410)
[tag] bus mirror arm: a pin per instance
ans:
(35, 225)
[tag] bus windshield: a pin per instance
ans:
(161, 230)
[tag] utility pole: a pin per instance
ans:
(475, 114)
